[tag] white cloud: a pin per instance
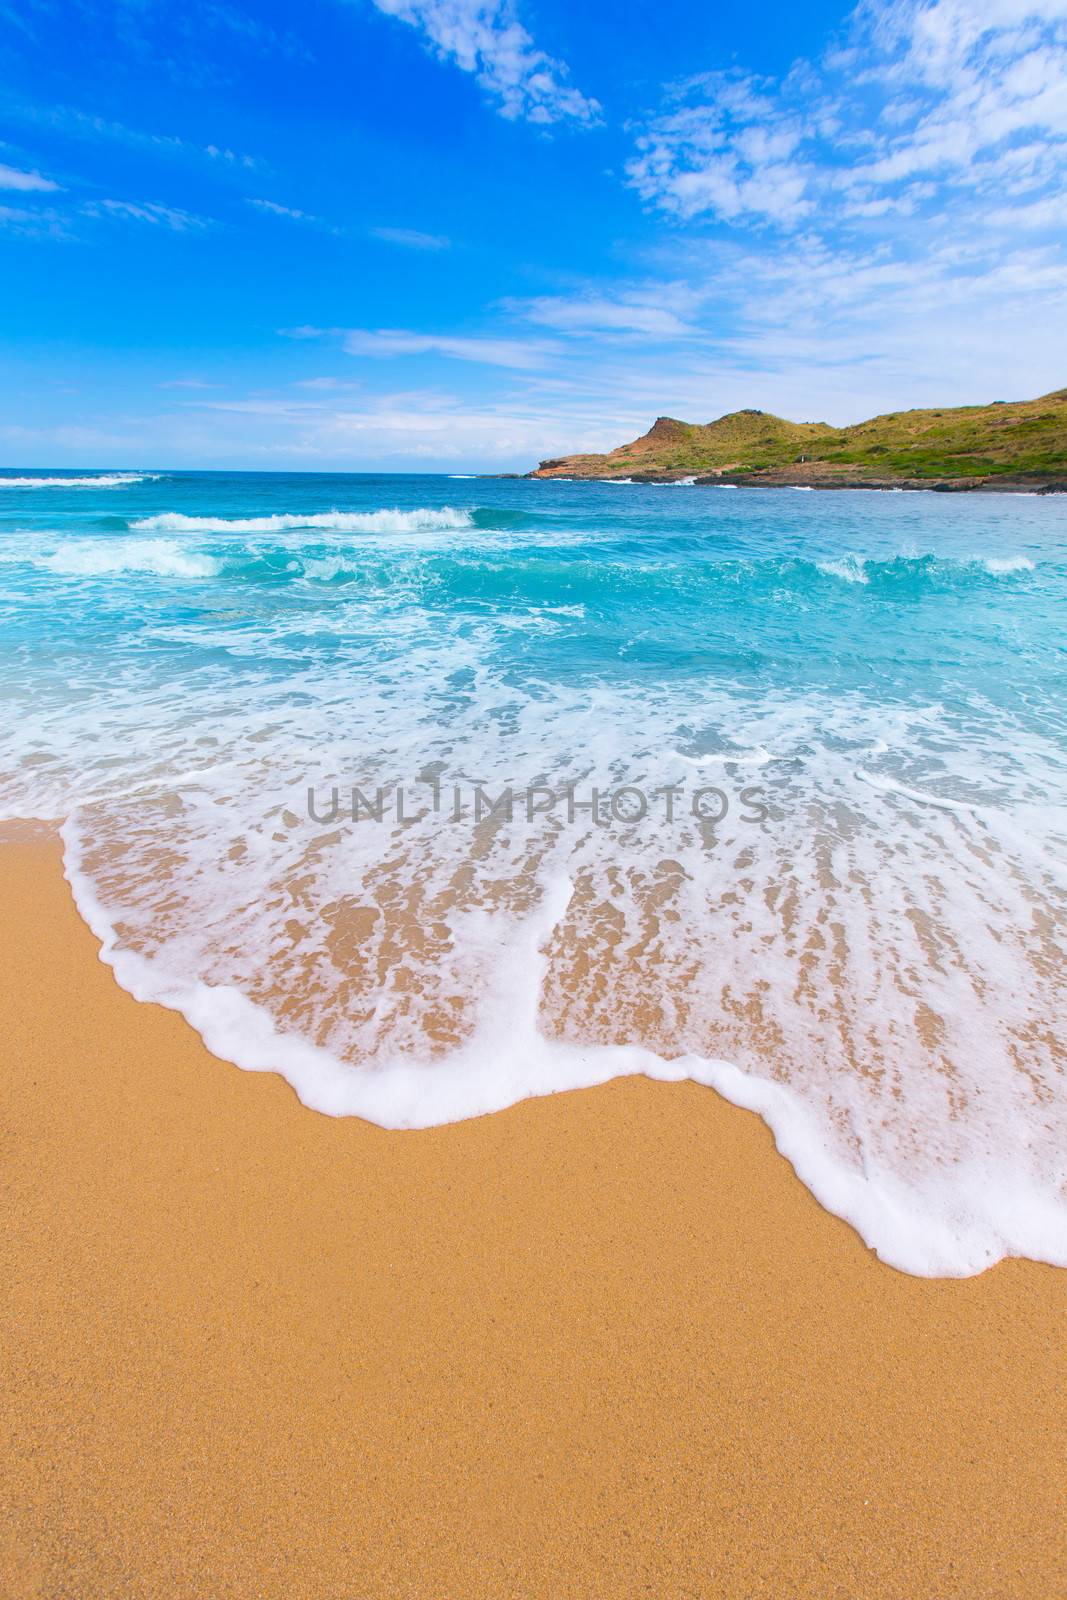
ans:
(724, 146)
(485, 38)
(147, 211)
(1040, 216)
(387, 342)
(419, 429)
(12, 178)
(630, 313)
(35, 224)
(83, 124)
(277, 210)
(931, 103)
(891, 229)
(249, 29)
(839, 332)
(411, 239)
(327, 384)
(402, 342)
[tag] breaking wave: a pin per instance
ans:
(862, 569)
(93, 558)
(105, 480)
(423, 520)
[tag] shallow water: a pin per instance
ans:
(833, 888)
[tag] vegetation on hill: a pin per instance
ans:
(1021, 443)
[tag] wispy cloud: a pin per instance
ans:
(424, 428)
(252, 31)
(305, 219)
(86, 125)
(850, 331)
(328, 385)
(383, 343)
(12, 178)
(149, 211)
(486, 39)
(277, 210)
(45, 222)
(411, 239)
(625, 312)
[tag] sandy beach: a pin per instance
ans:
(602, 1344)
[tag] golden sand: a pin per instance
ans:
(602, 1344)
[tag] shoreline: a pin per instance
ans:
(888, 1215)
(599, 1344)
(698, 480)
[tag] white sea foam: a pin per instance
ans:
(999, 564)
(878, 780)
(515, 960)
(742, 758)
(853, 569)
(956, 1223)
(857, 569)
(105, 480)
(422, 520)
(90, 558)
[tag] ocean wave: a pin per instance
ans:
(862, 569)
(90, 558)
(173, 545)
(106, 480)
(421, 520)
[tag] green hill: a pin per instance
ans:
(1021, 444)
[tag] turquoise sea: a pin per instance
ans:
(822, 871)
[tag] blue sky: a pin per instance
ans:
(437, 234)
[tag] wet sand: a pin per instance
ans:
(602, 1344)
